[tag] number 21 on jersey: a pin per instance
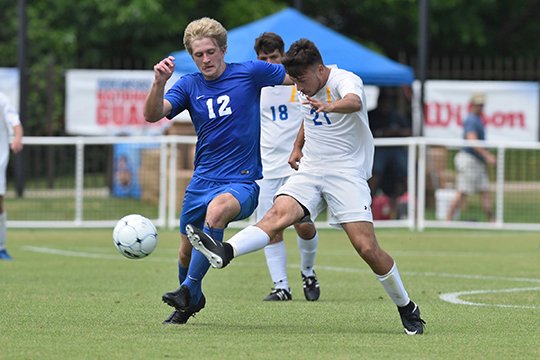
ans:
(316, 119)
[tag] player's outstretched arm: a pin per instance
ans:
(348, 104)
(155, 107)
(16, 144)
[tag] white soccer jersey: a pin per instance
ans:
(8, 119)
(335, 141)
(280, 120)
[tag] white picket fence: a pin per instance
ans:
(422, 207)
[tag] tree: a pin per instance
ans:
(457, 27)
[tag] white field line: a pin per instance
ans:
(453, 298)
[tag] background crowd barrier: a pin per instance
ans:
(93, 181)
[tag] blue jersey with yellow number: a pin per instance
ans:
(226, 115)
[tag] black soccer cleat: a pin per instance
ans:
(182, 317)
(311, 287)
(178, 299)
(279, 295)
(215, 251)
(410, 318)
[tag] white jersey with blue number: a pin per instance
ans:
(336, 141)
(9, 118)
(280, 120)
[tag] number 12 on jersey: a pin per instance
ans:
(224, 108)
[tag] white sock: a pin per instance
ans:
(308, 250)
(394, 286)
(276, 259)
(3, 220)
(248, 240)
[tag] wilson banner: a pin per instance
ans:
(511, 111)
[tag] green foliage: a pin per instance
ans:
(250, 11)
(456, 27)
(95, 30)
(8, 33)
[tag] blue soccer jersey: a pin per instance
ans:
(226, 115)
(473, 123)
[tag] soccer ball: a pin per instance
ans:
(134, 236)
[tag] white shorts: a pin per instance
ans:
(268, 189)
(472, 174)
(346, 195)
(4, 158)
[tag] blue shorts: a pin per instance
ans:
(201, 192)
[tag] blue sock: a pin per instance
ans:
(198, 267)
(182, 273)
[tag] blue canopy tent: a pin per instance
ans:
(291, 25)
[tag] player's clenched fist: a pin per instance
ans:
(164, 69)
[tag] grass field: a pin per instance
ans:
(69, 295)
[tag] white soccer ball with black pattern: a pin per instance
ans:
(134, 236)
